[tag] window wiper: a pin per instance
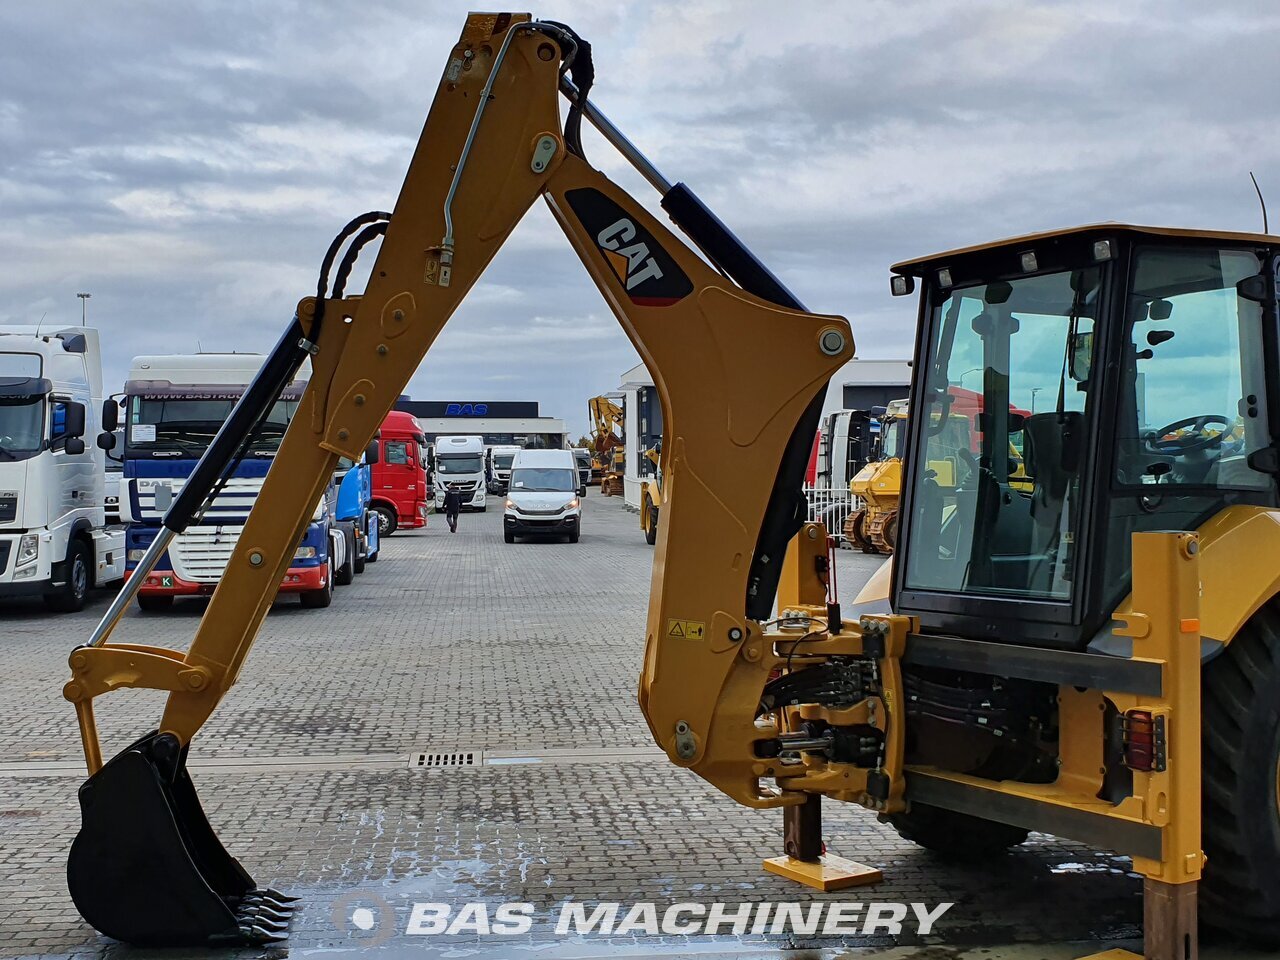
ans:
(7, 452)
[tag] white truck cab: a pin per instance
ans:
(544, 496)
(54, 541)
(498, 461)
(459, 461)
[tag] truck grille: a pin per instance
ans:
(231, 505)
(4, 556)
(201, 553)
(8, 507)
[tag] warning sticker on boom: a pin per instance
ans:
(687, 629)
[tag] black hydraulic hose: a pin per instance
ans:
(349, 258)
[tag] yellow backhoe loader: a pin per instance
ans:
(1031, 660)
(873, 527)
(608, 454)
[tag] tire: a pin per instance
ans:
(890, 533)
(318, 599)
(155, 602)
(346, 573)
(651, 534)
(484, 509)
(70, 597)
(956, 835)
(573, 537)
(508, 536)
(359, 564)
(855, 531)
(1240, 731)
(387, 521)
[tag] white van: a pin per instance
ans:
(543, 496)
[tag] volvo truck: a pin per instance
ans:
(54, 539)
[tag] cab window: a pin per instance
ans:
(397, 452)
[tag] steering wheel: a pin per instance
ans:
(1191, 442)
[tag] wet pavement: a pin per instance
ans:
(525, 657)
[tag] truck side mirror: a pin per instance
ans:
(110, 416)
(74, 446)
(106, 441)
(75, 424)
(371, 452)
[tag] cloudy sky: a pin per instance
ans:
(187, 164)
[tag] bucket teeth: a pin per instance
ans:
(278, 896)
(259, 935)
(264, 908)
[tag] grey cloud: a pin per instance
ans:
(188, 164)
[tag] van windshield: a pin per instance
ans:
(543, 480)
(21, 429)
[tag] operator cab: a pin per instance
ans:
(1115, 379)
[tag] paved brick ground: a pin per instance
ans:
(462, 641)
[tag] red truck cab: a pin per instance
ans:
(400, 476)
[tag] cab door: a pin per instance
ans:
(398, 476)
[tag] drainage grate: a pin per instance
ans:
(459, 758)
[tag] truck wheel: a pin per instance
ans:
(955, 835)
(70, 597)
(347, 572)
(360, 559)
(152, 602)
(1240, 731)
(317, 599)
(387, 522)
(651, 534)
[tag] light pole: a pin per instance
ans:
(84, 308)
(1034, 391)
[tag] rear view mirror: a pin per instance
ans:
(371, 452)
(106, 441)
(74, 446)
(1080, 354)
(1160, 310)
(75, 423)
(110, 416)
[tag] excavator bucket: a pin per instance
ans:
(146, 867)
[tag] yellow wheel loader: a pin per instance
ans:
(651, 496)
(1031, 660)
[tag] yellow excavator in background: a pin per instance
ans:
(873, 527)
(1032, 659)
(608, 452)
(651, 496)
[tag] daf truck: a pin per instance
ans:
(54, 539)
(174, 407)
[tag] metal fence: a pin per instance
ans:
(830, 507)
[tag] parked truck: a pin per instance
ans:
(355, 511)
(497, 467)
(54, 539)
(174, 407)
(401, 494)
(459, 461)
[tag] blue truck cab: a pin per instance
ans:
(175, 405)
(353, 513)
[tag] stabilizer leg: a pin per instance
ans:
(805, 861)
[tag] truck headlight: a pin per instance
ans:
(136, 555)
(509, 505)
(572, 504)
(28, 549)
(304, 553)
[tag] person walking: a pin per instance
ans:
(452, 507)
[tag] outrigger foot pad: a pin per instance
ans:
(147, 869)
